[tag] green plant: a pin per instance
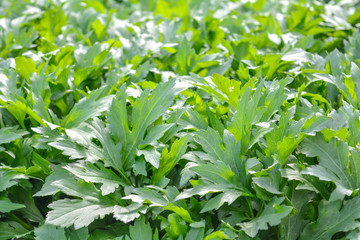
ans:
(154, 119)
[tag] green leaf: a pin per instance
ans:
(325, 226)
(7, 206)
(287, 146)
(216, 235)
(25, 66)
(147, 195)
(151, 156)
(195, 234)
(96, 173)
(8, 178)
(156, 133)
(275, 97)
(76, 151)
(211, 142)
(218, 173)
(297, 55)
(80, 213)
(129, 213)
(182, 56)
(79, 234)
(99, 29)
(196, 120)
(272, 215)
(87, 108)
(227, 151)
(293, 225)
(12, 230)
(147, 108)
(139, 168)
(170, 159)
(175, 227)
(354, 129)
(248, 113)
(48, 188)
(140, 230)
(41, 166)
(31, 211)
(355, 71)
(333, 163)
(40, 87)
(49, 232)
(184, 214)
(271, 182)
(62, 180)
(10, 134)
(205, 189)
(308, 182)
(231, 88)
(86, 59)
(216, 202)
(111, 152)
(118, 116)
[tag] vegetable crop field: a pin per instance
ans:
(179, 119)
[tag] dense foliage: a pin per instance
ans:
(174, 119)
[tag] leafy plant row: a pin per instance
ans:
(179, 119)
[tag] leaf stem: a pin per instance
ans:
(261, 207)
(120, 201)
(250, 207)
(2, 125)
(125, 177)
(21, 222)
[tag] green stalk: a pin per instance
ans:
(2, 125)
(261, 207)
(21, 222)
(120, 201)
(250, 208)
(125, 177)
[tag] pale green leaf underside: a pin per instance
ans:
(79, 213)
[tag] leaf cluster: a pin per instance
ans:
(179, 119)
